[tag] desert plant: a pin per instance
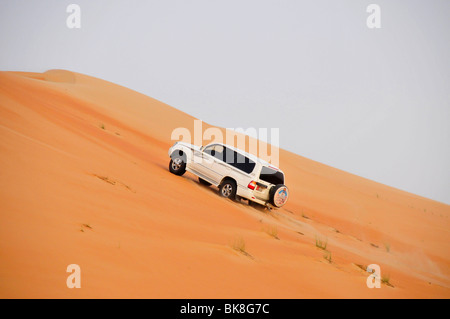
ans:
(387, 246)
(362, 267)
(327, 256)
(271, 231)
(239, 244)
(385, 279)
(322, 244)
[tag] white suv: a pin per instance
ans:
(236, 173)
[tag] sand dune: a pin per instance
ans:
(85, 181)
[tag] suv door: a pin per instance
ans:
(221, 160)
(210, 155)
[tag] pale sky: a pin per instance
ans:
(373, 102)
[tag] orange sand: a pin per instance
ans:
(156, 235)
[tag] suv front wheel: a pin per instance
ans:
(177, 166)
(228, 189)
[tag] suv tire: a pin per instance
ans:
(228, 189)
(278, 195)
(177, 166)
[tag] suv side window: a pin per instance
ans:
(228, 156)
(209, 150)
(244, 163)
(219, 152)
(239, 161)
(215, 151)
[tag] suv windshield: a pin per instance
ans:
(271, 176)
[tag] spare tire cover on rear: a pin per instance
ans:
(279, 195)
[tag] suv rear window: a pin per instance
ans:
(271, 176)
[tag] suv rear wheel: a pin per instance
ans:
(228, 189)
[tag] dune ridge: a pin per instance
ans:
(85, 181)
